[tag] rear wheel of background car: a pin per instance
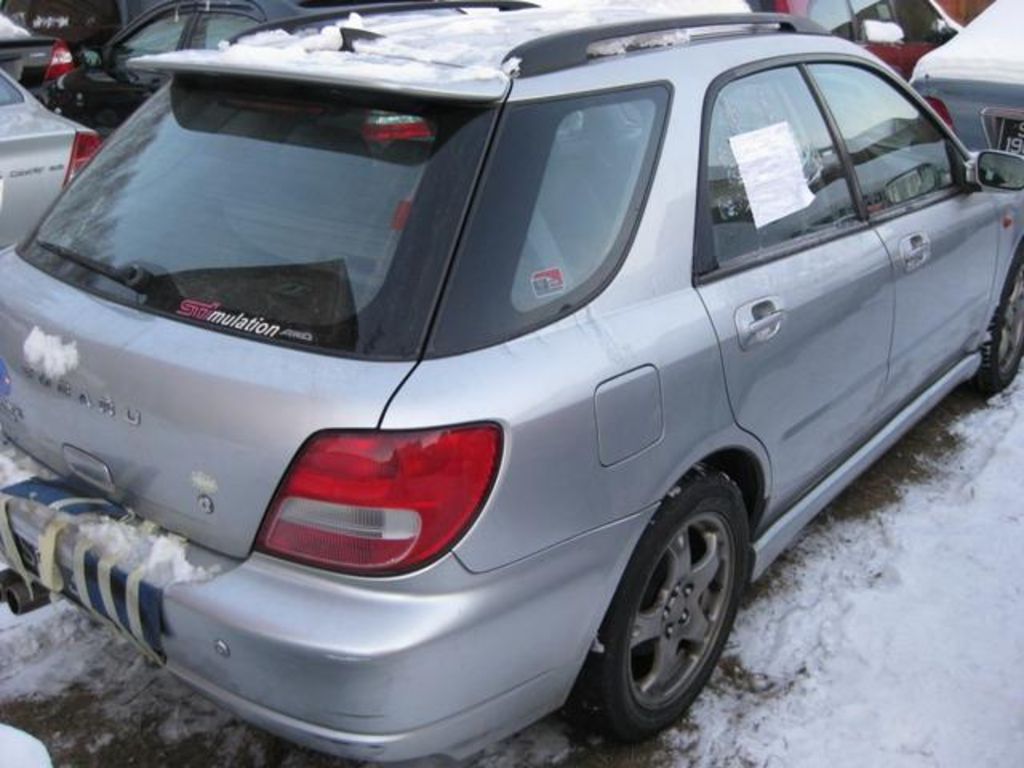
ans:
(1001, 354)
(671, 615)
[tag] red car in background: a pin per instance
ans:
(897, 31)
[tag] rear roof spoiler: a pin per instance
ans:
(468, 91)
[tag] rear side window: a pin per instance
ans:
(556, 210)
(281, 214)
(773, 173)
(898, 153)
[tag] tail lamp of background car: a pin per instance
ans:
(381, 502)
(940, 109)
(61, 61)
(85, 146)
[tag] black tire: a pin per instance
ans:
(615, 693)
(1001, 354)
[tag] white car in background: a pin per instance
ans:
(40, 152)
(976, 81)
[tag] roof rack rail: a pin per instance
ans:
(570, 49)
(380, 7)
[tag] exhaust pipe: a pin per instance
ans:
(14, 591)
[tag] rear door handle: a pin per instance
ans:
(915, 250)
(759, 321)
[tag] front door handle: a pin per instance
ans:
(759, 321)
(915, 250)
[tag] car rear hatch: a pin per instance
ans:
(240, 268)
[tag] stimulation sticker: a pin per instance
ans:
(211, 312)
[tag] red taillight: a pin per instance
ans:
(381, 127)
(86, 145)
(381, 502)
(61, 61)
(941, 109)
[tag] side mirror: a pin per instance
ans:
(997, 170)
(883, 32)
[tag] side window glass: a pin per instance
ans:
(898, 153)
(877, 21)
(214, 27)
(558, 204)
(159, 36)
(833, 15)
(773, 172)
(922, 23)
(595, 160)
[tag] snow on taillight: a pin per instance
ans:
(85, 146)
(940, 109)
(61, 61)
(381, 502)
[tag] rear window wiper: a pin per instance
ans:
(133, 276)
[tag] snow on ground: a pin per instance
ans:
(891, 637)
(988, 49)
(20, 750)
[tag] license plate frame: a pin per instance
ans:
(1011, 135)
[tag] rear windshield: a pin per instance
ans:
(77, 21)
(319, 219)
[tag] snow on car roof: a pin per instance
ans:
(989, 49)
(9, 30)
(430, 52)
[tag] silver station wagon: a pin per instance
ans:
(444, 369)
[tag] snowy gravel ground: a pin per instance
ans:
(891, 635)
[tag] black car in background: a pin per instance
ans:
(103, 92)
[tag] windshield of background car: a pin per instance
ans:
(307, 217)
(75, 21)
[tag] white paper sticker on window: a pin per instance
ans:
(772, 172)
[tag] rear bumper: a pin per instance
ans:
(441, 663)
(438, 663)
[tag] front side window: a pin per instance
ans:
(212, 28)
(159, 36)
(557, 207)
(773, 173)
(281, 213)
(898, 153)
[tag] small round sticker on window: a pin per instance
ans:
(547, 282)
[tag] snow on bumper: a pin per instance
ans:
(95, 553)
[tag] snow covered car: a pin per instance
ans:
(39, 154)
(404, 378)
(976, 82)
